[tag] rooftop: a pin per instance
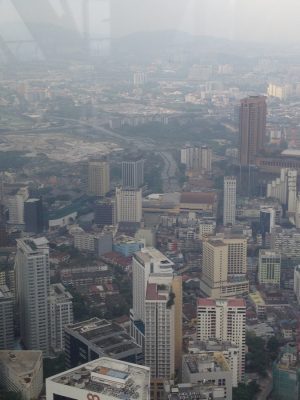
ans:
(59, 292)
(22, 364)
(201, 391)
(155, 293)
(107, 338)
(198, 197)
(208, 302)
(109, 378)
(148, 254)
(5, 293)
(205, 363)
(33, 245)
(269, 253)
(257, 299)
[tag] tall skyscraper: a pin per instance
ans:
(98, 178)
(32, 291)
(159, 331)
(253, 115)
(132, 174)
(33, 215)
(105, 212)
(129, 205)
(16, 206)
(229, 201)
(223, 320)
(6, 319)
(156, 316)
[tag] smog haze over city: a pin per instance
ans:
(149, 199)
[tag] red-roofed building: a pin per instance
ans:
(205, 202)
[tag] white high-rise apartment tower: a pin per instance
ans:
(292, 190)
(32, 291)
(223, 320)
(129, 205)
(156, 316)
(229, 200)
(98, 178)
(61, 314)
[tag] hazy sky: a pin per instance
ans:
(251, 20)
(263, 20)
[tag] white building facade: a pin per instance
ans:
(223, 320)
(32, 291)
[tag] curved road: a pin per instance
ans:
(169, 173)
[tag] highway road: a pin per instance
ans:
(169, 173)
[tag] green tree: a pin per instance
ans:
(246, 392)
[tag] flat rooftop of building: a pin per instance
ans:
(217, 243)
(150, 253)
(257, 299)
(208, 302)
(22, 363)
(110, 338)
(108, 377)
(32, 200)
(291, 152)
(204, 363)
(58, 291)
(269, 253)
(5, 293)
(187, 391)
(210, 345)
(33, 244)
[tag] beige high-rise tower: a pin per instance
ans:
(98, 178)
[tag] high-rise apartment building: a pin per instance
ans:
(132, 174)
(197, 158)
(292, 190)
(253, 114)
(33, 215)
(159, 331)
(61, 314)
(21, 372)
(269, 267)
(98, 178)
(16, 206)
(6, 319)
(223, 320)
(229, 201)
(223, 259)
(32, 291)
(156, 316)
(129, 205)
